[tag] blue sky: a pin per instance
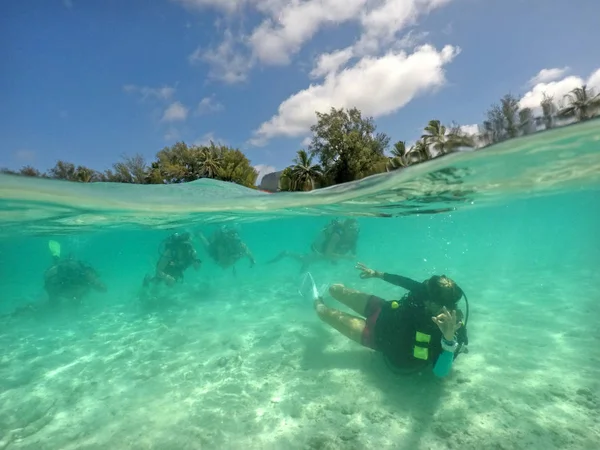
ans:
(88, 81)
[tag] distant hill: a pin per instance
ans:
(270, 182)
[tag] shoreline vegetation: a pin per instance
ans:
(344, 147)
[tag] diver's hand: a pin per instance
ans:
(366, 272)
(169, 280)
(448, 323)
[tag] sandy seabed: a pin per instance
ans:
(245, 369)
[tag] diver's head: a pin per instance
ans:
(442, 291)
(180, 238)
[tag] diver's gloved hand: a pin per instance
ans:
(366, 272)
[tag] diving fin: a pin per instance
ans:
(54, 248)
(308, 289)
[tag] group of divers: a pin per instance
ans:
(425, 328)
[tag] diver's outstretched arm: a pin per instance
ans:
(399, 280)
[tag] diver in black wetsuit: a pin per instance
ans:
(336, 241)
(177, 254)
(422, 329)
(71, 279)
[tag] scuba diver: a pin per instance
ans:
(226, 247)
(177, 254)
(69, 278)
(336, 241)
(422, 329)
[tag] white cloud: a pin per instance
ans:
(331, 62)
(594, 81)
(209, 104)
(557, 89)
(470, 129)
(382, 23)
(160, 93)
(547, 75)
(176, 111)
(287, 25)
(226, 5)
(280, 36)
(263, 170)
(25, 155)
(378, 86)
(227, 62)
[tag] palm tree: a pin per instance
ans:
(84, 174)
(399, 156)
(435, 137)
(443, 140)
(304, 172)
(421, 149)
(210, 162)
(526, 121)
(548, 111)
(583, 103)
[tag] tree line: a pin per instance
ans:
(345, 145)
(178, 163)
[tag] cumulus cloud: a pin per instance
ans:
(387, 83)
(330, 62)
(547, 75)
(557, 89)
(263, 169)
(286, 26)
(146, 92)
(176, 111)
(227, 61)
(470, 129)
(209, 105)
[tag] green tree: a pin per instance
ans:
(304, 174)
(86, 175)
(548, 111)
(29, 171)
(509, 106)
(526, 121)
(399, 156)
(421, 149)
(285, 180)
(179, 163)
(235, 167)
(583, 104)
(346, 145)
(443, 140)
(133, 169)
(63, 170)
(210, 161)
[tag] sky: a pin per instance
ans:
(91, 81)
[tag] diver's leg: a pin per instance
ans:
(350, 326)
(355, 300)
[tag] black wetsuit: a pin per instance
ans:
(395, 329)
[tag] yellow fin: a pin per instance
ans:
(54, 248)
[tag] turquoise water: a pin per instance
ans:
(241, 361)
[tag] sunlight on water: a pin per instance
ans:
(236, 358)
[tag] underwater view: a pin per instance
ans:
(206, 315)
